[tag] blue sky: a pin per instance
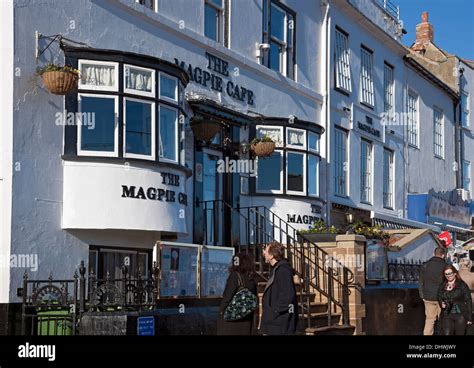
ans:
(453, 22)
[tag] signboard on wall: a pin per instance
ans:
(376, 260)
(215, 262)
(179, 270)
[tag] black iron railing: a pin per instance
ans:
(317, 270)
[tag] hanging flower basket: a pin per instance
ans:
(205, 130)
(59, 80)
(262, 147)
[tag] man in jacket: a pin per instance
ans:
(431, 276)
(279, 304)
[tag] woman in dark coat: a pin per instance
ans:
(242, 270)
(279, 304)
(454, 298)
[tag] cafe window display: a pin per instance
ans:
(127, 107)
(293, 168)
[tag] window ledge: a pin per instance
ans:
(122, 160)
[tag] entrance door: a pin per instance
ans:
(212, 194)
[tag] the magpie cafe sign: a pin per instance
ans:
(156, 193)
(217, 77)
(368, 129)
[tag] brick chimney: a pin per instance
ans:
(424, 33)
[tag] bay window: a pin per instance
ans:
(293, 168)
(138, 118)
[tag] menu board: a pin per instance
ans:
(376, 260)
(179, 270)
(215, 262)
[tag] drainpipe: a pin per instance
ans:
(327, 105)
(459, 144)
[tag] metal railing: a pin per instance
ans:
(390, 8)
(317, 270)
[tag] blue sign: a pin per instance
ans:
(146, 326)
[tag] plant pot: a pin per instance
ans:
(205, 130)
(60, 82)
(318, 238)
(263, 149)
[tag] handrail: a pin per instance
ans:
(317, 269)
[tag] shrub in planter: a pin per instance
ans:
(319, 232)
(59, 80)
(262, 147)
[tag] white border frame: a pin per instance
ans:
(274, 127)
(177, 138)
(176, 89)
(274, 191)
(80, 151)
(303, 147)
(136, 91)
(293, 192)
(99, 88)
(153, 130)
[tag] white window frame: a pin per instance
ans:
(468, 176)
(438, 133)
(176, 90)
(283, 43)
(345, 162)
(99, 88)
(162, 158)
(318, 139)
(367, 94)
(155, 5)
(153, 124)
(389, 87)
(80, 151)
(465, 109)
(221, 20)
(342, 61)
(388, 181)
(295, 192)
(272, 127)
(366, 177)
(317, 175)
(138, 92)
(303, 147)
(413, 121)
(274, 191)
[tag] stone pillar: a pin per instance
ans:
(350, 250)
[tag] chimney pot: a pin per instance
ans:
(424, 17)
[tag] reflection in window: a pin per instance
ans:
(269, 173)
(168, 87)
(313, 142)
(313, 175)
(138, 124)
(168, 133)
(99, 136)
(296, 138)
(295, 172)
(213, 19)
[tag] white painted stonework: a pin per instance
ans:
(93, 199)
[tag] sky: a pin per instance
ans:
(453, 22)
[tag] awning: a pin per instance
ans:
(396, 223)
(213, 110)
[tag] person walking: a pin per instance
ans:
(241, 274)
(279, 304)
(468, 277)
(455, 300)
(428, 284)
